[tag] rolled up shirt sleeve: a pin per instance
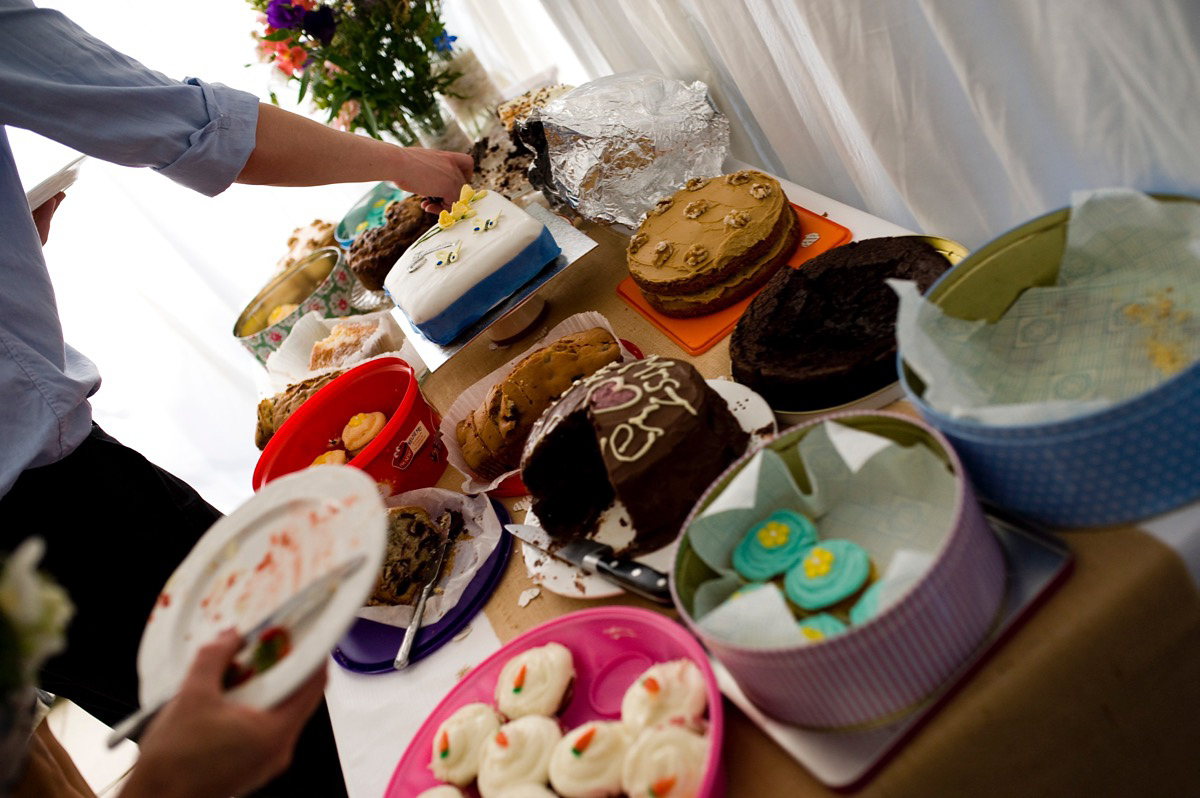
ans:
(61, 82)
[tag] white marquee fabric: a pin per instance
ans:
(959, 118)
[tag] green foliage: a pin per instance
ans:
(382, 70)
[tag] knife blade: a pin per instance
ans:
(598, 558)
(260, 638)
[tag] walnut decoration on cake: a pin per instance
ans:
(712, 243)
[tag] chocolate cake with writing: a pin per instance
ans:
(650, 433)
(824, 334)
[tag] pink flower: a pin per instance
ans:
(275, 337)
(343, 305)
(347, 114)
(290, 59)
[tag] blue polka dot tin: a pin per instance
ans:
(1131, 460)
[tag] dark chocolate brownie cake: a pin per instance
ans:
(824, 334)
(375, 251)
(649, 432)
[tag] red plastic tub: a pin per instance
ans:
(408, 453)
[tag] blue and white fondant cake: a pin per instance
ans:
(481, 251)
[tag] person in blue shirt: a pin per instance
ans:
(116, 525)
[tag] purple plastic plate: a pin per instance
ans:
(370, 646)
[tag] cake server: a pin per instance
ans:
(598, 558)
(259, 638)
(410, 633)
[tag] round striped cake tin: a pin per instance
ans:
(1129, 461)
(882, 669)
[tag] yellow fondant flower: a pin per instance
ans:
(469, 195)
(818, 562)
(773, 535)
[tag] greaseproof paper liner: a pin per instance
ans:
(472, 398)
(480, 535)
(1123, 318)
(889, 665)
(289, 364)
(896, 502)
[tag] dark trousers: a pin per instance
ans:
(116, 526)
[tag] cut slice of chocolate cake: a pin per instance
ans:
(650, 433)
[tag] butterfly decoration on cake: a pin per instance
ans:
(483, 225)
(444, 257)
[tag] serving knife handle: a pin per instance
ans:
(633, 576)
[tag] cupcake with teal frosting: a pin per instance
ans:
(816, 628)
(827, 573)
(773, 546)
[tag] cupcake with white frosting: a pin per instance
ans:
(527, 791)
(665, 762)
(442, 791)
(458, 742)
(518, 753)
(668, 692)
(535, 682)
(586, 763)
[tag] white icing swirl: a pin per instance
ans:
(459, 740)
(548, 671)
(527, 791)
(442, 791)
(667, 692)
(519, 753)
(586, 763)
(670, 758)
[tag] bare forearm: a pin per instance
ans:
(292, 150)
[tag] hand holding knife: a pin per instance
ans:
(598, 558)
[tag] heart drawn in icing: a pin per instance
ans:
(610, 395)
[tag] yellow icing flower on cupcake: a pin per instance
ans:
(818, 562)
(773, 534)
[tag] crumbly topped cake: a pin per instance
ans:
(347, 342)
(376, 250)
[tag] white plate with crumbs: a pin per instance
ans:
(293, 531)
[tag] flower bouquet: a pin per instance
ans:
(372, 65)
(33, 617)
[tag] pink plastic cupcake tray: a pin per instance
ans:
(611, 646)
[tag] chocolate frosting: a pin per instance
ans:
(650, 432)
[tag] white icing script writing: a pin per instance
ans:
(630, 440)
